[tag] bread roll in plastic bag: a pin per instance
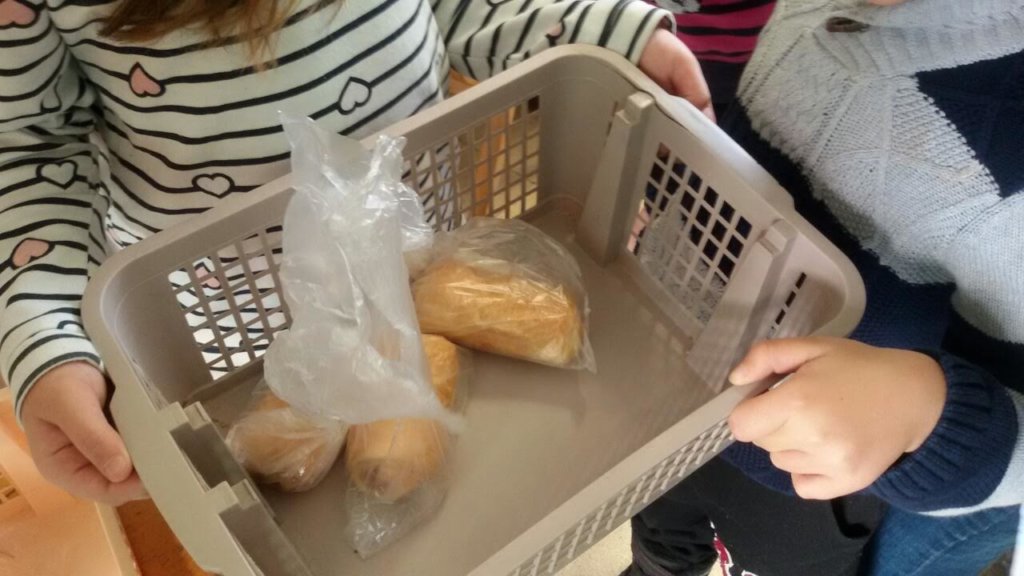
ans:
(280, 446)
(505, 287)
(352, 352)
(399, 469)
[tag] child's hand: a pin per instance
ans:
(849, 412)
(668, 61)
(71, 441)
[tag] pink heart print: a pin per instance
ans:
(142, 83)
(206, 278)
(14, 13)
(28, 251)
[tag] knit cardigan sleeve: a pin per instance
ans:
(975, 457)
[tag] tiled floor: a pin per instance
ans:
(607, 558)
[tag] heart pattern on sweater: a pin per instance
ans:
(207, 278)
(354, 95)
(143, 84)
(555, 32)
(15, 14)
(60, 173)
(29, 250)
(216, 185)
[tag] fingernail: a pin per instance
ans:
(117, 468)
(738, 377)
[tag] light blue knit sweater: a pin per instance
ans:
(899, 131)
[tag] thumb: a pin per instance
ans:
(88, 429)
(669, 62)
(773, 357)
(688, 82)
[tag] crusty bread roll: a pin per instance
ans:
(277, 445)
(391, 458)
(501, 313)
(443, 362)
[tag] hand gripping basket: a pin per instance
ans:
(45, 531)
(690, 251)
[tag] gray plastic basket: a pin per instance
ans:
(576, 141)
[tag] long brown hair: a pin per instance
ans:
(251, 21)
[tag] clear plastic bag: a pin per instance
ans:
(280, 446)
(353, 350)
(505, 287)
(400, 469)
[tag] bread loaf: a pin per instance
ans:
(506, 314)
(390, 459)
(279, 446)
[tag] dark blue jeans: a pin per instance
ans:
(773, 534)
(914, 545)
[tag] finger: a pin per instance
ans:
(69, 469)
(759, 417)
(777, 357)
(709, 111)
(91, 433)
(687, 81)
(799, 431)
(88, 483)
(781, 440)
(817, 487)
(796, 462)
(130, 490)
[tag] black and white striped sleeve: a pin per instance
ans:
(50, 216)
(485, 37)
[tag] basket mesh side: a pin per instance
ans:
(230, 297)
(231, 300)
(802, 311)
(687, 236)
(495, 169)
(626, 503)
(690, 238)
(776, 329)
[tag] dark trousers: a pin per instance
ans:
(766, 532)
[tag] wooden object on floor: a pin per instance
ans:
(157, 551)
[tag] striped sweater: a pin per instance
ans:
(103, 144)
(720, 30)
(723, 35)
